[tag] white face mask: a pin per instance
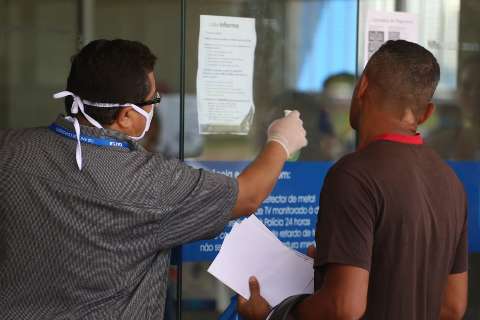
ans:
(148, 120)
(78, 104)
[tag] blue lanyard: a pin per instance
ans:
(102, 142)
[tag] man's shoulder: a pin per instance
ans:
(349, 163)
(347, 169)
(390, 154)
(386, 161)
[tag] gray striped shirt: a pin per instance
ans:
(95, 244)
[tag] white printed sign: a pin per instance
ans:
(383, 26)
(226, 51)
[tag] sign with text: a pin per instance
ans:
(382, 26)
(226, 54)
(290, 212)
(469, 173)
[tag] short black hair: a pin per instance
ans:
(110, 71)
(404, 71)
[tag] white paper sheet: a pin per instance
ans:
(226, 49)
(383, 26)
(250, 249)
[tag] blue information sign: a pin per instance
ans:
(290, 212)
(469, 174)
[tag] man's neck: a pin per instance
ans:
(114, 126)
(370, 130)
(83, 121)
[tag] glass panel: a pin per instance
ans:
(36, 45)
(293, 69)
(38, 38)
(467, 143)
(305, 59)
(451, 31)
(157, 25)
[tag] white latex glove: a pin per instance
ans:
(288, 132)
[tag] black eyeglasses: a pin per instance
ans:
(154, 101)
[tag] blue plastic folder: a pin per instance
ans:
(231, 312)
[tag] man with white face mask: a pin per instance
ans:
(88, 217)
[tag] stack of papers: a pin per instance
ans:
(251, 249)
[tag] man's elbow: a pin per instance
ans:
(248, 199)
(350, 314)
(454, 311)
(251, 205)
(349, 310)
(245, 206)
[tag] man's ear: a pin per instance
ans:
(428, 112)
(124, 119)
(362, 86)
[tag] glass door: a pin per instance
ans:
(305, 59)
(307, 56)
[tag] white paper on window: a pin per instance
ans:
(383, 26)
(226, 54)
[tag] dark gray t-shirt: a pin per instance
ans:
(95, 243)
(399, 212)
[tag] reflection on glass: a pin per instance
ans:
(326, 117)
(30, 69)
(302, 46)
(304, 59)
(457, 136)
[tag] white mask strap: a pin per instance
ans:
(78, 151)
(148, 119)
(78, 105)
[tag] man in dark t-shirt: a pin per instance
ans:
(396, 211)
(391, 233)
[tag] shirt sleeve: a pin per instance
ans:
(460, 262)
(346, 222)
(197, 205)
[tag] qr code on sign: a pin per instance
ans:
(393, 35)
(375, 41)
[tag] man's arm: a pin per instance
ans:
(454, 301)
(343, 295)
(257, 181)
(285, 136)
(256, 307)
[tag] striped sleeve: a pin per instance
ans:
(200, 205)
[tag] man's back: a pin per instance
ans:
(399, 212)
(94, 244)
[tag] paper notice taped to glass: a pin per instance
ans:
(226, 54)
(251, 249)
(382, 26)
